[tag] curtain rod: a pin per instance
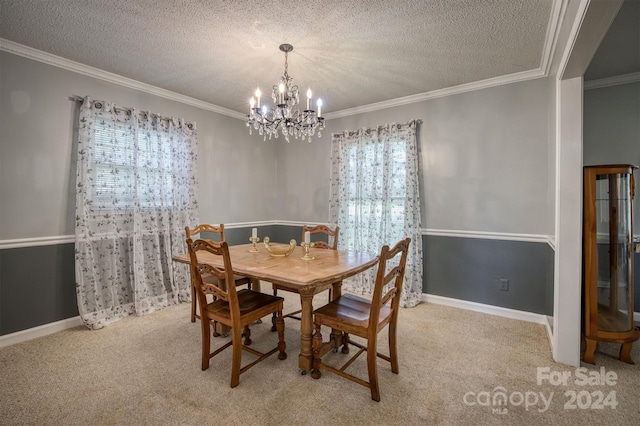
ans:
(415, 122)
(190, 125)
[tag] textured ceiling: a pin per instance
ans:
(351, 53)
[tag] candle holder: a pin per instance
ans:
(254, 240)
(305, 247)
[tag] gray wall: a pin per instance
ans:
(487, 166)
(37, 178)
(471, 269)
(37, 286)
(36, 151)
(485, 159)
(612, 125)
(612, 136)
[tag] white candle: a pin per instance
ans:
(308, 97)
(258, 96)
(254, 232)
(319, 107)
(281, 89)
(253, 103)
(307, 237)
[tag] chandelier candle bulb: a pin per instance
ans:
(319, 107)
(308, 97)
(258, 96)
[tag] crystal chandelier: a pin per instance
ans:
(285, 116)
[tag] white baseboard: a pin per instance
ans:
(487, 309)
(54, 327)
(40, 331)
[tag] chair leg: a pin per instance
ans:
(317, 348)
(273, 317)
(282, 345)
(193, 304)
(345, 343)
(236, 335)
(393, 348)
(206, 342)
(372, 366)
(247, 336)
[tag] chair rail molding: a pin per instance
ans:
(504, 236)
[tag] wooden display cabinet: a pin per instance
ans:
(608, 259)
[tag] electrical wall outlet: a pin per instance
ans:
(503, 284)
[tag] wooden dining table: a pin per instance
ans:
(306, 277)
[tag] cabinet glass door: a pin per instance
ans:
(614, 240)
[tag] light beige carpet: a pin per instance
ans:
(146, 371)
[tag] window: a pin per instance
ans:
(380, 197)
(125, 169)
(375, 198)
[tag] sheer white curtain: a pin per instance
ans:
(375, 199)
(135, 193)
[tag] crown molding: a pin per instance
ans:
(558, 11)
(612, 81)
(47, 58)
(462, 88)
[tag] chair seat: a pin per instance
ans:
(249, 301)
(352, 310)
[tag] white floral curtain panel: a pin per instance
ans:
(135, 193)
(375, 199)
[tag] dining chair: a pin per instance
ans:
(350, 314)
(239, 280)
(233, 308)
(331, 236)
(330, 242)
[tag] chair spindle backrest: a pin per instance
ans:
(389, 260)
(223, 275)
(212, 229)
(332, 236)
